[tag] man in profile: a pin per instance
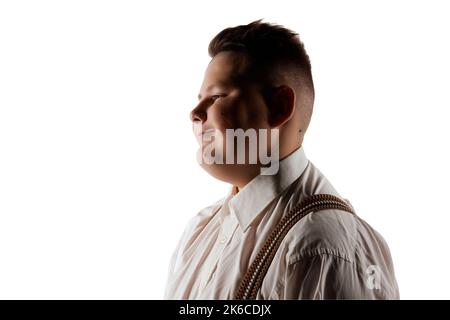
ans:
(258, 88)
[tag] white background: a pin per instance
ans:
(98, 175)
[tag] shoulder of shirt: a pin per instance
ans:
(344, 238)
(332, 232)
(335, 233)
(328, 232)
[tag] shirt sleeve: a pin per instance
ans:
(328, 275)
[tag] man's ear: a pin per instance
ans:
(281, 104)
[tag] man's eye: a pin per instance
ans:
(215, 97)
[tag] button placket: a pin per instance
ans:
(228, 227)
(224, 239)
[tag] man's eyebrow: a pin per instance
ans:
(208, 88)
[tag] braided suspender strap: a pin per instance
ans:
(252, 280)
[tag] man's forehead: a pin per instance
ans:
(227, 64)
(224, 69)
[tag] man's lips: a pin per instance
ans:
(201, 133)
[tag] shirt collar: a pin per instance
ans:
(260, 191)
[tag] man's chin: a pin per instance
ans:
(231, 173)
(219, 171)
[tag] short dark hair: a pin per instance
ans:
(269, 46)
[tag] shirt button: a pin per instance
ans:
(223, 239)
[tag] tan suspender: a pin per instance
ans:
(252, 280)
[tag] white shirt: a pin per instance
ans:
(329, 254)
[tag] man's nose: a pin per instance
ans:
(198, 114)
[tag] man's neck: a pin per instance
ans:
(237, 186)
